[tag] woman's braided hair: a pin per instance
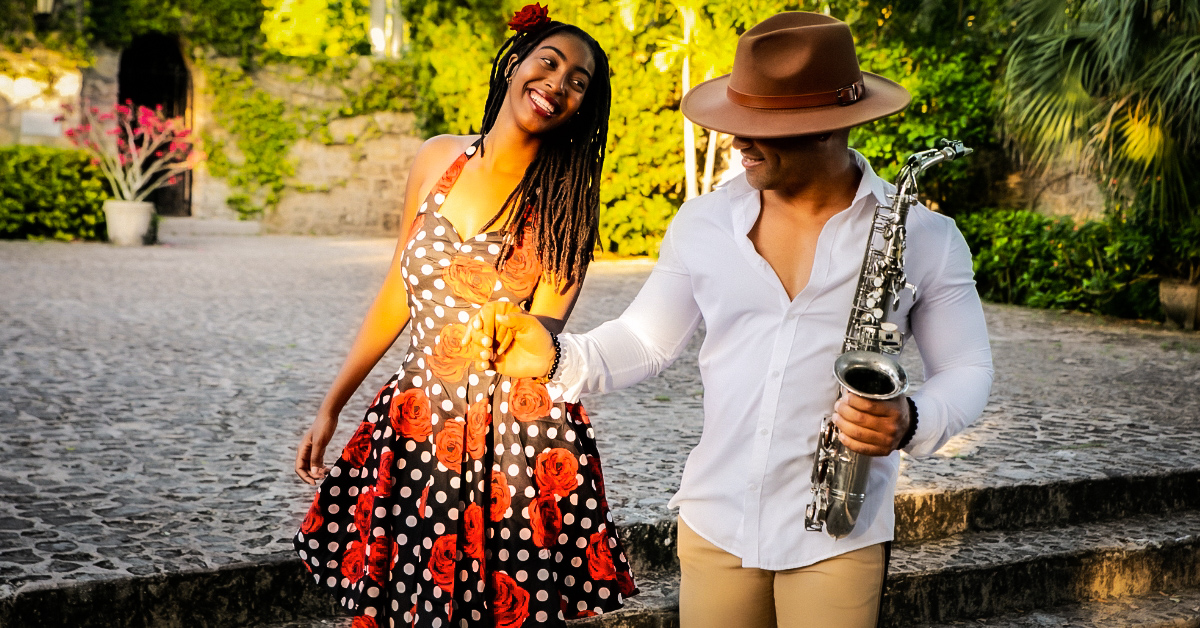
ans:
(559, 196)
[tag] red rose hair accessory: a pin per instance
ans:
(530, 19)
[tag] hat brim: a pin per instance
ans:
(708, 105)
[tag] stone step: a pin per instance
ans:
(656, 606)
(930, 515)
(1097, 569)
(1161, 609)
(980, 574)
(925, 515)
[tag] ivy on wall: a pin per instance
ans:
(262, 132)
(259, 129)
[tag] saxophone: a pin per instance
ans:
(866, 366)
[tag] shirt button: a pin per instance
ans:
(763, 432)
(774, 373)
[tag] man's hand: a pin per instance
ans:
(310, 455)
(871, 427)
(510, 341)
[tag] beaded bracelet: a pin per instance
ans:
(553, 365)
(912, 424)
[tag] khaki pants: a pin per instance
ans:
(717, 592)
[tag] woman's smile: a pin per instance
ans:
(544, 104)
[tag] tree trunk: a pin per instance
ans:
(689, 138)
(710, 159)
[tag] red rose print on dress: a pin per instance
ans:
(501, 499)
(521, 270)
(451, 359)
(478, 420)
(353, 561)
(364, 621)
(449, 443)
(359, 447)
(415, 228)
(450, 175)
(473, 530)
(578, 413)
(528, 400)
(555, 472)
(441, 561)
(313, 520)
(599, 558)
(380, 556)
(625, 583)
(424, 502)
(410, 414)
(470, 279)
(545, 520)
(597, 478)
(383, 484)
(510, 605)
(363, 513)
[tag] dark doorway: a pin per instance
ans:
(153, 73)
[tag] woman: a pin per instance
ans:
(468, 498)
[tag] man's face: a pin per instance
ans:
(780, 163)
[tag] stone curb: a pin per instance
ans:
(1178, 609)
(935, 515)
(232, 595)
(939, 514)
(983, 574)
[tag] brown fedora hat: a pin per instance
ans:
(794, 73)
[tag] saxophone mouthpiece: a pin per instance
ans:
(953, 149)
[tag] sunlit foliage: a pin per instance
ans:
(1114, 88)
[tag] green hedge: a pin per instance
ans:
(1110, 266)
(50, 193)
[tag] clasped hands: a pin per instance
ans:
(504, 338)
(509, 340)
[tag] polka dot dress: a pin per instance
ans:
(465, 498)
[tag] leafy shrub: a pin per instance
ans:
(1110, 266)
(50, 193)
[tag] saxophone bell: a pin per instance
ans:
(870, 375)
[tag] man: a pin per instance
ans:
(770, 262)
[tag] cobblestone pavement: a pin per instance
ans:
(151, 400)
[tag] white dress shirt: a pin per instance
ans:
(766, 363)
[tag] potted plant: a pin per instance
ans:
(138, 150)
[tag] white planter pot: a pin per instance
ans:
(128, 221)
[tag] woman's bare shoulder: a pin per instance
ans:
(435, 156)
(445, 147)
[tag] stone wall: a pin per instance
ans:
(349, 183)
(34, 86)
(1058, 192)
(352, 188)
